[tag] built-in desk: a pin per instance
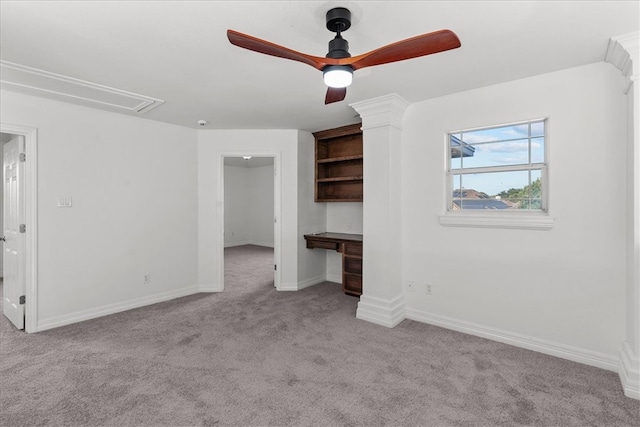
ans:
(350, 245)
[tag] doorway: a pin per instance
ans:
(250, 207)
(20, 281)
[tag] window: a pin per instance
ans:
(498, 169)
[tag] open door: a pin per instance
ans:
(255, 222)
(14, 232)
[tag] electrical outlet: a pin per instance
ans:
(147, 278)
(411, 286)
(427, 289)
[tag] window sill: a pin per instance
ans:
(509, 221)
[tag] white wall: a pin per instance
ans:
(133, 184)
(248, 206)
(341, 218)
(563, 288)
(261, 205)
(237, 204)
(312, 217)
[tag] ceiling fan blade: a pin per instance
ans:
(425, 44)
(262, 46)
(335, 94)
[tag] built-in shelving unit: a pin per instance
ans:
(339, 164)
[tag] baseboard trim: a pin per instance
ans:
(263, 244)
(82, 315)
(210, 288)
(286, 287)
(629, 372)
(563, 351)
(382, 312)
(233, 244)
(249, 242)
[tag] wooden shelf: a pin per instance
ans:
(341, 200)
(340, 178)
(340, 159)
(339, 164)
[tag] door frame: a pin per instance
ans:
(277, 210)
(31, 220)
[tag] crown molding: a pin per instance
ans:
(382, 111)
(623, 52)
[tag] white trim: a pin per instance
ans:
(629, 372)
(249, 242)
(621, 52)
(209, 288)
(31, 217)
(287, 287)
(263, 244)
(498, 220)
(82, 315)
(498, 125)
(234, 244)
(383, 312)
(383, 111)
(563, 351)
(144, 103)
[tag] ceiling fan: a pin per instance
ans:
(338, 65)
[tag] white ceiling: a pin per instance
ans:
(5, 137)
(178, 51)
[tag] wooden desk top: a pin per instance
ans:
(339, 237)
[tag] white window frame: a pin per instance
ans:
(515, 219)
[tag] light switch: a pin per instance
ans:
(64, 202)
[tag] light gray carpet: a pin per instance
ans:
(252, 356)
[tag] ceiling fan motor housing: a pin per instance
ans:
(338, 48)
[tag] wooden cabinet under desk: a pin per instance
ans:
(350, 245)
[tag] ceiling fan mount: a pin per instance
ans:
(338, 65)
(338, 20)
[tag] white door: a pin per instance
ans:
(14, 244)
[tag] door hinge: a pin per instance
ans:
(23, 300)
(23, 228)
(275, 267)
(23, 157)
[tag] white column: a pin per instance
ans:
(624, 53)
(382, 301)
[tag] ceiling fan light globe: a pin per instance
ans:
(337, 76)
